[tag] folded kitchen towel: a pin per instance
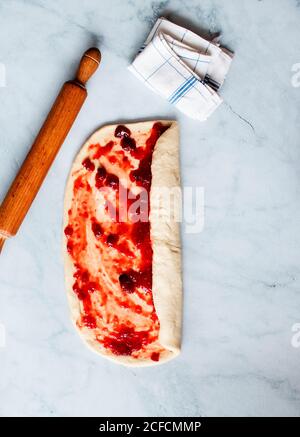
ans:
(184, 68)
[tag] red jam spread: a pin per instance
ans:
(110, 246)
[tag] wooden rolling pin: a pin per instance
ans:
(45, 147)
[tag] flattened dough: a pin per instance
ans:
(165, 241)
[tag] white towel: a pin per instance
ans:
(184, 68)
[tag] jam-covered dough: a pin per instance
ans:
(122, 258)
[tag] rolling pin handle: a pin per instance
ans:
(47, 143)
(88, 65)
(2, 241)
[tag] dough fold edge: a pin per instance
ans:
(165, 203)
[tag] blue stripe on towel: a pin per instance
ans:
(181, 88)
(185, 87)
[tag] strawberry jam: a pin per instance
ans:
(126, 340)
(100, 177)
(88, 164)
(128, 143)
(112, 257)
(97, 229)
(122, 131)
(127, 282)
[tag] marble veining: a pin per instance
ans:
(241, 274)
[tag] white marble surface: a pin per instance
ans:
(241, 274)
